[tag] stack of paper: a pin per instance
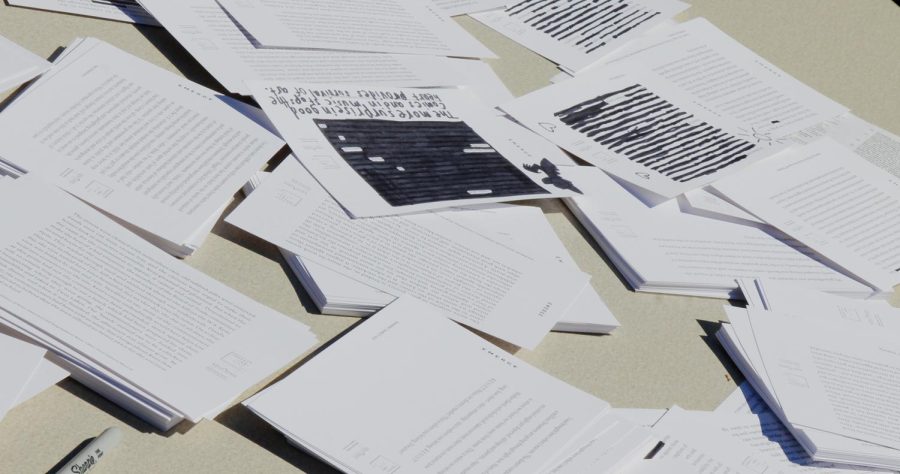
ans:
(662, 249)
(836, 394)
(438, 398)
(154, 336)
(735, 442)
(157, 152)
(234, 56)
(877, 145)
(119, 10)
(472, 278)
(18, 65)
(334, 293)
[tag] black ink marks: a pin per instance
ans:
(553, 178)
(420, 162)
(648, 130)
(586, 24)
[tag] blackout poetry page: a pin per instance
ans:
(828, 381)
(438, 399)
(382, 151)
(469, 278)
(386, 26)
(833, 201)
(639, 127)
(99, 294)
(150, 148)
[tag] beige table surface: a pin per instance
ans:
(664, 352)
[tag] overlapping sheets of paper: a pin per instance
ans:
(226, 50)
(833, 201)
(151, 334)
(438, 398)
(159, 153)
(826, 366)
(661, 119)
(338, 294)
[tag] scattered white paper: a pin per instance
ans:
(230, 55)
(877, 145)
(832, 200)
(577, 33)
(469, 278)
(119, 10)
(665, 250)
(828, 381)
(144, 145)
(437, 399)
(387, 26)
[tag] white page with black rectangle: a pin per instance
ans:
(90, 289)
(18, 65)
(119, 10)
(224, 49)
(151, 148)
(578, 33)
(833, 201)
(471, 279)
(384, 26)
(437, 399)
(639, 127)
(385, 151)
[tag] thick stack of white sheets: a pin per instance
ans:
(153, 335)
(337, 294)
(826, 366)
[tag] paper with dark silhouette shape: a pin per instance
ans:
(384, 151)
